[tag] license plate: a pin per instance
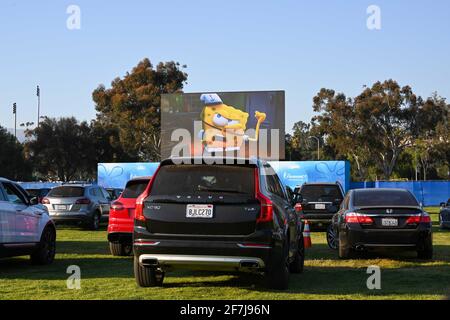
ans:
(319, 206)
(60, 207)
(389, 222)
(199, 211)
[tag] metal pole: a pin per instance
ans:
(15, 119)
(38, 93)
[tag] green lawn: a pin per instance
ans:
(325, 276)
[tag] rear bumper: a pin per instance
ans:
(376, 238)
(231, 263)
(445, 224)
(318, 220)
(69, 217)
(207, 252)
(120, 237)
(119, 225)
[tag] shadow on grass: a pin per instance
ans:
(96, 263)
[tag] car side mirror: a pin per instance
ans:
(34, 201)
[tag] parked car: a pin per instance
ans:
(381, 218)
(444, 215)
(121, 217)
(78, 203)
(25, 226)
(319, 202)
(230, 217)
(39, 193)
(114, 192)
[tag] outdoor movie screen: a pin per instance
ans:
(235, 124)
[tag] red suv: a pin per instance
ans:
(121, 217)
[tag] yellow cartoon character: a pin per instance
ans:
(224, 126)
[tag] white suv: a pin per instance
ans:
(25, 226)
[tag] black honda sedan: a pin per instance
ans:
(380, 218)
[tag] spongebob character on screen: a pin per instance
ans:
(222, 122)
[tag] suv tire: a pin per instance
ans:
(45, 253)
(94, 224)
(277, 275)
(146, 276)
(120, 249)
(297, 265)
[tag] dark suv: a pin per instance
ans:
(444, 215)
(319, 202)
(232, 216)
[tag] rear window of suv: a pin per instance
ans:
(134, 189)
(201, 179)
(384, 198)
(321, 193)
(66, 192)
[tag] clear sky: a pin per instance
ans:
(296, 46)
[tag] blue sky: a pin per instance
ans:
(296, 46)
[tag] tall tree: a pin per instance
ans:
(62, 149)
(388, 113)
(12, 161)
(132, 105)
(338, 124)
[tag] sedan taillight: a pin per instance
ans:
(421, 218)
(353, 217)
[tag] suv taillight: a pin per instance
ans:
(353, 217)
(45, 201)
(139, 211)
(117, 206)
(83, 201)
(266, 214)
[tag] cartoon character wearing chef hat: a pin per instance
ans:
(224, 126)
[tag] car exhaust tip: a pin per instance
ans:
(249, 265)
(150, 262)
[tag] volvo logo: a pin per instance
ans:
(389, 211)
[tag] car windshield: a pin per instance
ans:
(66, 192)
(384, 198)
(321, 193)
(196, 179)
(134, 189)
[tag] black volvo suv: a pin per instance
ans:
(230, 215)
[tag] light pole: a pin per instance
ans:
(318, 146)
(38, 93)
(15, 119)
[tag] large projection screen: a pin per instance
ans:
(241, 124)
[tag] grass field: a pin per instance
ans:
(325, 276)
